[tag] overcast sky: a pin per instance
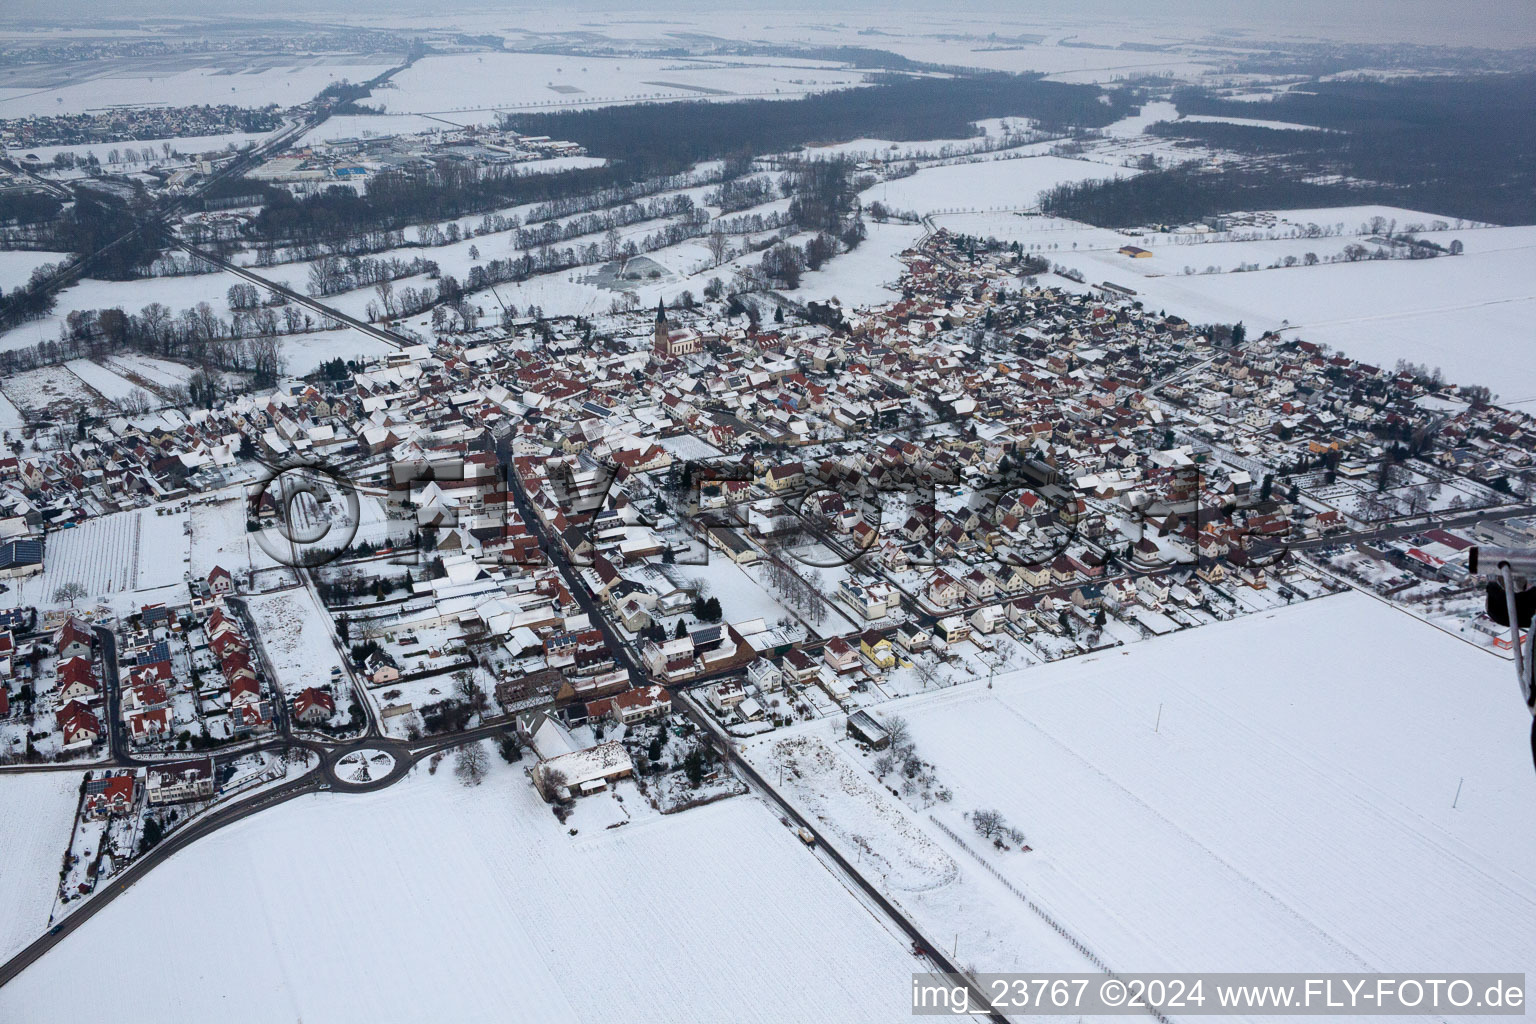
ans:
(1501, 23)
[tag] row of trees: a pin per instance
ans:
(248, 343)
(330, 275)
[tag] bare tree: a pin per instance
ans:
(471, 764)
(988, 824)
(386, 293)
(472, 692)
(266, 360)
(70, 592)
(719, 244)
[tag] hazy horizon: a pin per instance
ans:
(1498, 24)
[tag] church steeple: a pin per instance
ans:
(661, 312)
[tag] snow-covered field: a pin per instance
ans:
(41, 388)
(10, 416)
(37, 811)
(164, 548)
(219, 537)
(286, 85)
(428, 900)
(16, 265)
(1290, 809)
(473, 86)
(1461, 313)
(296, 636)
(864, 276)
(176, 292)
(122, 560)
(148, 371)
(986, 185)
(107, 384)
(303, 353)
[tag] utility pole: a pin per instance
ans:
(1457, 798)
(1159, 724)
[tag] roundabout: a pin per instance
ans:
(366, 765)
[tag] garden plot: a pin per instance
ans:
(49, 388)
(296, 635)
(164, 548)
(219, 537)
(449, 867)
(741, 597)
(1135, 776)
(37, 812)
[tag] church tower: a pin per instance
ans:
(663, 330)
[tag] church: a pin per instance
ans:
(671, 342)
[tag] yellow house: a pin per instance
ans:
(877, 649)
(1035, 575)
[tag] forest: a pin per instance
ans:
(647, 141)
(1459, 147)
(660, 137)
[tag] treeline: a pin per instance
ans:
(1244, 138)
(742, 193)
(197, 335)
(118, 239)
(553, 232)
(21, 209)
(337, 218)
(1183, 194)
(32, 300)
(648, 144)
(331, 275)
(657, 137)
(1461, 146)
(125, 231)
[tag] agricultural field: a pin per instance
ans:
(37, 812)
(449, 866)
(47, 388)
(16, 265)
(101, 554)
(474, 87)
(1457, 313)
(1178, 740)
(109, 385)
(157, 376)
(999, 184)
(223, 79)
